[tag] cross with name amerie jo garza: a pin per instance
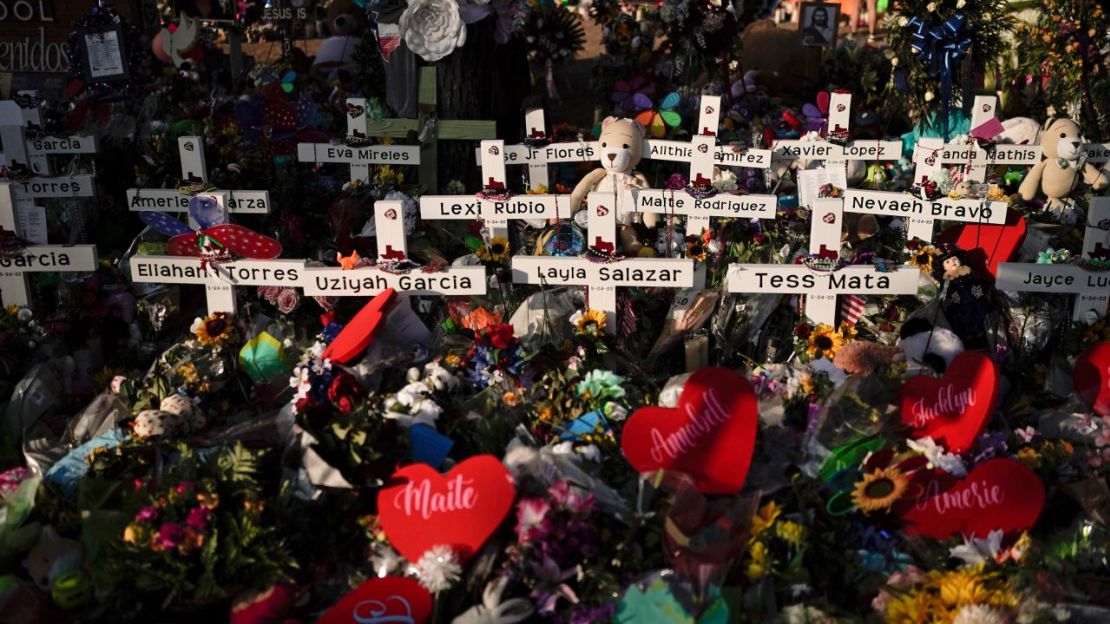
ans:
(1092, 287)
(603, 278)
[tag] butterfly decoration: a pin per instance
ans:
(289, 81)
(633, 95)
(217, 240)
(658, 121)
(817, 114)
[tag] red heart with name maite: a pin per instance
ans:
(386, 599)
(997, 494)
(460, 509)
(987, 245)
(710, 436)
(1092, 377)
(953, 409)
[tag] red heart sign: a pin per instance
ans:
(460, 509)
(386, 599)
(998, 494)
(709, 436)
(955, 408)
(1092, 377)
(987, 245)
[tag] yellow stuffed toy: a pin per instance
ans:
(1063, 167)
(620, 147)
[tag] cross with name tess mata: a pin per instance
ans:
(602, 279)
(1091, 287)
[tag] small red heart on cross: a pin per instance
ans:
(601, 211)
(829, 217)
(708, 110)
(703, 148)
(493, 150)
(391, 214)
(840, 108)
(986, 108)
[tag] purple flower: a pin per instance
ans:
(531, 519)
(587, 614)
(989, 446)
(170, 535)
(146, 514)
(676, 182)
(198, 518)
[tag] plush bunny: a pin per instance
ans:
(620, 147)
(1063, 168)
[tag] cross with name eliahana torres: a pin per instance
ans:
(1090, 285)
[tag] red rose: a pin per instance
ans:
(759, 239)
(802, 330)
(345, 391)
(500, 336)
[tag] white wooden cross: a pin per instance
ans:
(840, 117)
(800, 279)
(602, 279)
(389, 222)
(920, 215)
(355, 150)
(14, 287)
(219, 279)
(1091, 287)
(194, 171)
(496, 214)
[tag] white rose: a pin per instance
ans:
(931, 7)
(432, 29)
(894, 62)
(929, 96)
(961, 4)
(902, 21)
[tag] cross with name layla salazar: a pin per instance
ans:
(1089, 281)
(603, 278)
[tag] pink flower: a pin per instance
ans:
(170, 535)
(571, 498)
(146, 514)
(183, 487)
(269, 293)
(198, 518)
(531, 519)
(287, 301)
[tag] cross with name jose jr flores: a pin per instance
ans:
(194, 177)
(801, 279)
(15, 267)
(602, 278)
(1091, 285)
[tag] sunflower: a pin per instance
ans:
(824, 341)
(497, 250)
(591, 322)
(923, 256)
(963, 587)
(696, 249)
(214, 329)
(879, 489)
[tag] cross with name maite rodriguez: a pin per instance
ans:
(503, 206)
(839, 152)
(1092, 287)
(195, 173)
(799, 279)
(603, 278)
(14, 287)
(389, 222)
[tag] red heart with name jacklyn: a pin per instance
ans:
(997, 494)
(1092, 377)
(953, 409)
(987, 245)
(709, 436)
(386, 599)
(460, 509)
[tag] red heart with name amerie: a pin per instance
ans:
(386, 599)
(987, 245)
(997, 494)
(709, 436)
(953, 409)
(1092, 377)
(460, 509)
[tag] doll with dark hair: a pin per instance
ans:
(964, 298)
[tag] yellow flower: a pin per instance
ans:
(13, 310)
(923, 257)
(591, 322)
(214, 329)
(497, 250)
(453, 360)
(963, 587)
(209, 501)
(879, 489)
(791, 532)
(764, 518)
(510, 398)
(911, 608)
(545, 414)
(996, 193)
(824, 341)
(757, 566)
(1029, 456)
(132, 534)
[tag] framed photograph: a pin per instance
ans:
(818, 23)
(103, 55)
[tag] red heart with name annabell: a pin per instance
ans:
(987, 245)
(709, 436)
(997, 494)
(386, 599)
(953, 409)
(1092, 377)
(460, 509)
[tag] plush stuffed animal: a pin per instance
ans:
(337, 52)
(621, 146)
(925, 345)
(1063, 167)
